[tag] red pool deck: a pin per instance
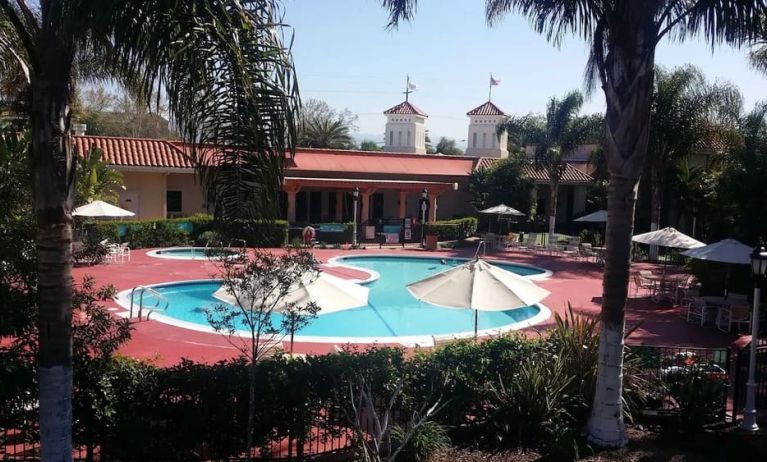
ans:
(573, 281)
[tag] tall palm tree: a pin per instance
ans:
(555, 137)
(758, 56)
(686, 108)
(228, 78)
(325, 133)
(623, 35)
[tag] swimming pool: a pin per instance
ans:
(192, 253)
(391, 315)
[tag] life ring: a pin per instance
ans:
(308, 234)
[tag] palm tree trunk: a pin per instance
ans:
(627, 79)
(554, 194)
(53, 166)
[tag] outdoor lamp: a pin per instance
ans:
(356, 192)
(759, 261)
(425, 194)
(759, 270)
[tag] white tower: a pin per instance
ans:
(405, 129)
(483, 141)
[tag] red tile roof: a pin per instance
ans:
(486, 109)
(135, 152)
(329, 160)
(405, 108)
(539, 174)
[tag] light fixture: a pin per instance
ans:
(356, 192)
(425, 194)
(759, 261)
(455, 186)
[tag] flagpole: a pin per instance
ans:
(407, 87)
(490, 89)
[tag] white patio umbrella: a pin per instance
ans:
(479, 286)
(729, 251)
(502, 209)
(724, 251)
(600, 216)
(668, 237)
(101, 209)
(329, 293)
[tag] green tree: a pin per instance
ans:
(505, 182)
(623, 35)
(321, 126)
(369, 145)
(684, 112)
(447, 146)
(554, 137)
(96, 180)
(229, 81)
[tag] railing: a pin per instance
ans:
(741, 378)
(160, 302)
(670, 372)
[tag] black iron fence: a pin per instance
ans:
(677, 377)
(741, 377)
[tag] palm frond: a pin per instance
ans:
(758, 57)
(735, 22)
(399, 10)
(227, 72)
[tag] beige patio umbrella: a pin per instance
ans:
(479, 286)
(329, 293)
(101, 209)
(668, 237)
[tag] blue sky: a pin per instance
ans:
(344, 55)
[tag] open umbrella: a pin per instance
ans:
(328, 292)
(668, 237)
(600, 216)
(502, 209)
(729, 251)
(479, 286)
(101, 209)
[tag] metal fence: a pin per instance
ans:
(741, 377)
(675, 375)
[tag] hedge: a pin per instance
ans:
(183, 231)
(449, 230)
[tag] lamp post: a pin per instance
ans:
(356, 195)
(759, 270)
(694, 218)
(424, 206)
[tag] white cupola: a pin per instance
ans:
(483, 141)
(405, 129)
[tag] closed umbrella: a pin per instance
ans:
(479, 286)
(101, 209)
(328, 292)
(502, 209)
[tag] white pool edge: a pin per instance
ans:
(157, 253)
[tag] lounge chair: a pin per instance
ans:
(641, 283)
(739, 315)
(696, 311)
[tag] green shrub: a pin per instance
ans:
(209, 238)
(449, 230)
(429, 437)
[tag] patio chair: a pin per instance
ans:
(571, 251)
(531, 244)
(736, 298)
(696, 311)
(640, 283)
(585, 251)
(738, 315)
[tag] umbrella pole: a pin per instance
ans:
(476, 324)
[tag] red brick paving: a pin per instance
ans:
(576, 282)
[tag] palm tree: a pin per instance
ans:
(96, 180)
(758, 56)
(325, 133)
(228, 79)
(686, 109)
(623, 35)
(554, 137)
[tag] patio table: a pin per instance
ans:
(664, 286)
(599, 257)
(715, 303)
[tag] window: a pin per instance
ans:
(474, 140)
(484, 140)
(391, 137)
(399, 138)
(408, 138)
(173, 201)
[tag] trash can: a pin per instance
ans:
(431, 242)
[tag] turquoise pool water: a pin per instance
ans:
(191, 253)
(391, 312)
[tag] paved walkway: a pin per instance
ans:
(576, 282)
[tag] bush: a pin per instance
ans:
(180, 231)
(429, 437)
(449, 230)
(209, 238)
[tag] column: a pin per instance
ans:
(365, 213)
(325, 205)
(432, 207)
(402, 204)
(339, 206)
(292, 191)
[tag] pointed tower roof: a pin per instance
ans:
(407, 108)
(486, 109)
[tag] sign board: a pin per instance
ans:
(408, 229)
(370, 232)
(392, 238)
(332, 227)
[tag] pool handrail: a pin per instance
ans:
(242, 244)
(160, 298)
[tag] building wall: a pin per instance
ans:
(405, 133)
(192, 199)
(146, 193)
